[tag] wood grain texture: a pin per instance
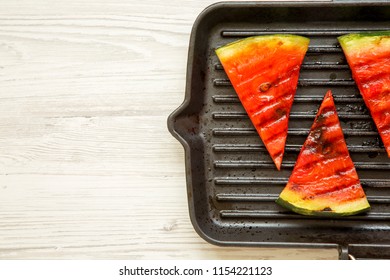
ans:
(88, 169)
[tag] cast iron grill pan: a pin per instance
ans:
(232, 182)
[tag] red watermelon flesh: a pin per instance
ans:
(324, 181)
(264, 72)
(368, 55)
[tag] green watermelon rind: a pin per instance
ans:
(365, 34)
(358, 36)
(238, 43)
(329, 214)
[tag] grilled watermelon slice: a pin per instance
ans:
(324, 181)
(264, 72)
(368, 55)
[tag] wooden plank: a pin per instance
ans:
(87, 166)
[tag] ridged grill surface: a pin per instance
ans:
(237, 163)
(238, 179)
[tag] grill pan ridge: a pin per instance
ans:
(232, 183)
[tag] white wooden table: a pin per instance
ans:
(88, 169)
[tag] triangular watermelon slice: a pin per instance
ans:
(264, 72)
(324, 181)
(368, 55)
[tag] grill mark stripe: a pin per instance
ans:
(278, 81)
(272, 123)
(385, 128)
(313, 162)
(336, 188)
(341, 190)
(327, 109)
(373, 108)
(274, 104)
(373, 79)
(275, 136)
(373, 62)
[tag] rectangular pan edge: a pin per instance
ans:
(230, 188)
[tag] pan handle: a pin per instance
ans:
(344, 254)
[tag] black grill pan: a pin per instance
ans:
(232, 182)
